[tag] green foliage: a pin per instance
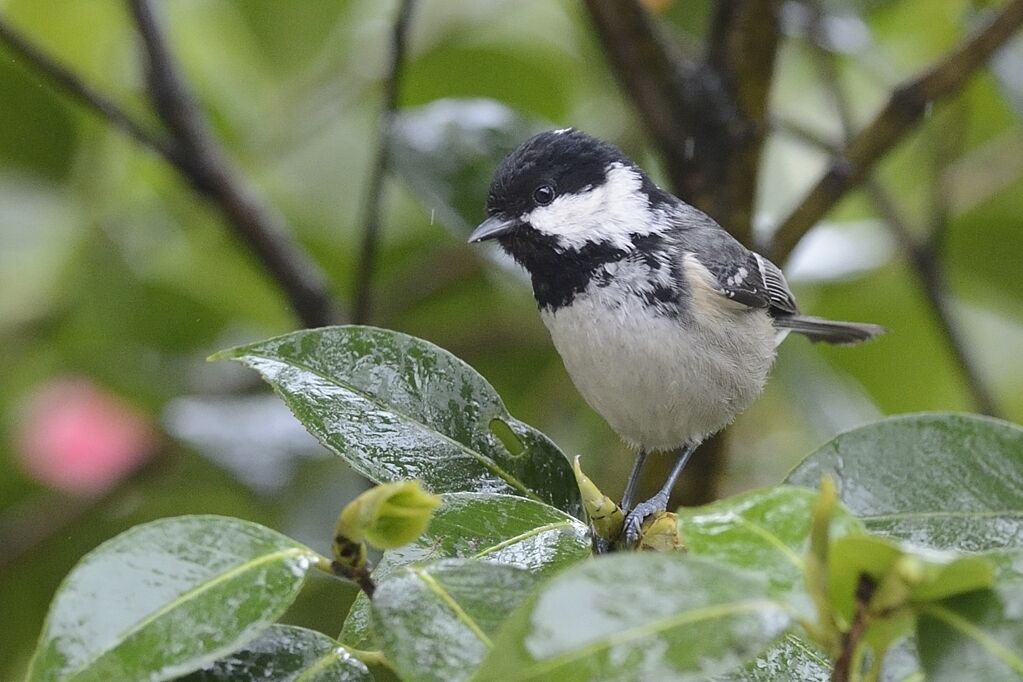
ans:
(166, 597)
(396, 407)
(773, 585)
(284, 653)
(637, 616)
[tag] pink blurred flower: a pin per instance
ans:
(79, 438)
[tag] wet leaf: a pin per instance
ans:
(437, 621)
(948, 481)
(447, 151)
(396, 407)
(496, 528)
(977, 636)
(285, 653)
(791, 658)
(637, 616)
(167, 597)
(766, 531)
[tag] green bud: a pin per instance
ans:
(605, 515)
(660, 533)
(389, 515)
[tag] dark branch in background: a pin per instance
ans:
(79, 90)
(741, 52)
(193, 152)
(708, 119)
(378, 173)
(923, 253)
(903, 111)
(206, 166)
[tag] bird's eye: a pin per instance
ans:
(543, 195)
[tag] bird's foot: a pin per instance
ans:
(636, 516)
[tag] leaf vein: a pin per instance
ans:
(453, 605)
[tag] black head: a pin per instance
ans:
(564, 203)
(546, 179)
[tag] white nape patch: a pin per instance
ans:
(607, 213)
(562, 131)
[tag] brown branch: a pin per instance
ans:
(853, 638)
(670, 91)
(923, 254)
(741, 51)
(67, 81)
(904, 109)
(378, 174)
(206, 166)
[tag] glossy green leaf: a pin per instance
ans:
(977, 636)
(446, 151)
(948, 481)
(765, 531)
(397, 407)
(790, 658)
(285, 653)
(638, 616)
(496, 528)
(167, 597)
(437, 621)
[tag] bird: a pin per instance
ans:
(666, 324)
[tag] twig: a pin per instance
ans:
(923, 254)
(852, 639)
(904, 109)
(64, 79)
(741, 52)
(206, 167)
(301, 281)
(378, 173)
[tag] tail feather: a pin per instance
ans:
(829, 331)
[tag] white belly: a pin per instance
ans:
(657, 383)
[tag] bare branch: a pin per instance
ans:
(741, 51)
(903, 111)
(65, 80)
(378, 173)
(205, 165)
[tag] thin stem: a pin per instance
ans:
(378, 173)
(905, 108)
(851, 654)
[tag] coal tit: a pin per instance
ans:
(666, 324)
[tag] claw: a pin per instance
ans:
(635, 518)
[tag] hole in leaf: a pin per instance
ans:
(507, 437)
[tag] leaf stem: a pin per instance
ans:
(850, 660)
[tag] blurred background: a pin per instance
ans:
(118, 278)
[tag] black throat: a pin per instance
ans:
(558, 274)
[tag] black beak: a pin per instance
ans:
(494, 226)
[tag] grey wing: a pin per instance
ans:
(740, 274)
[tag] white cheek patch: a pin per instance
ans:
(608, 213)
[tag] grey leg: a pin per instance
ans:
(630, 487)
(659, 502)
